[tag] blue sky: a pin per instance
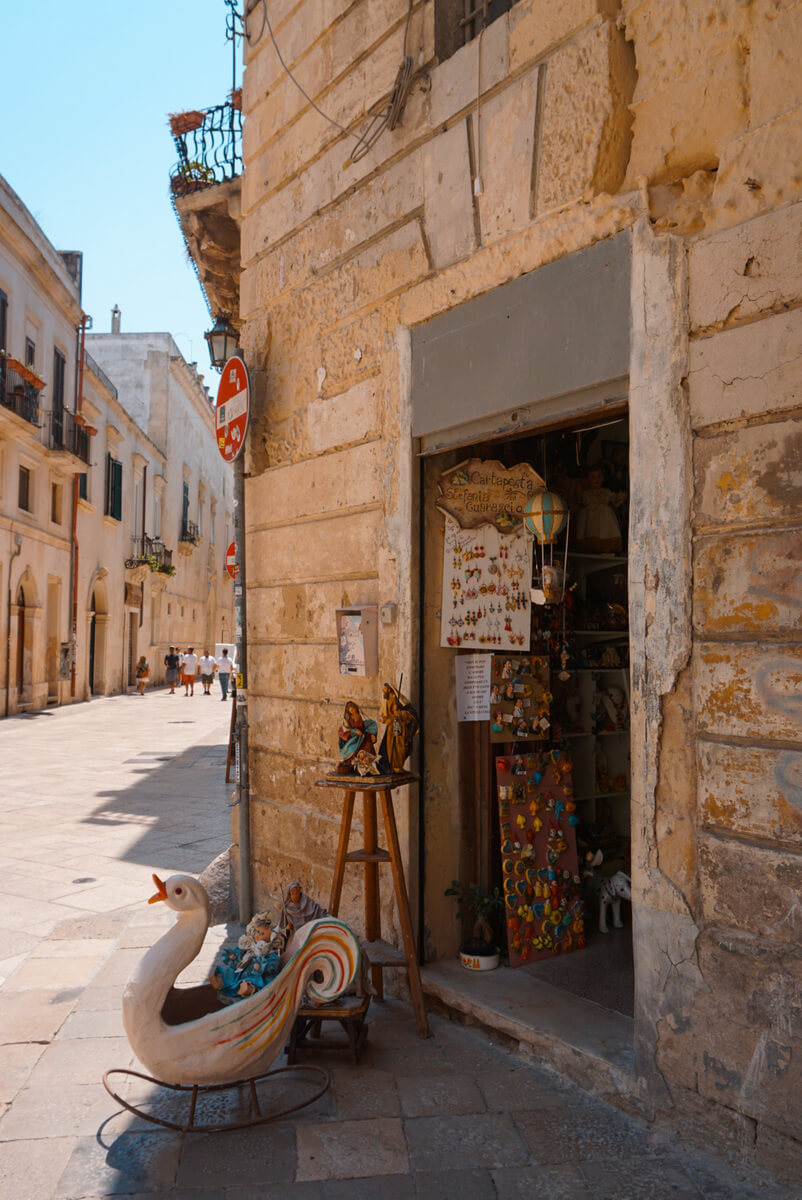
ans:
(85, 144)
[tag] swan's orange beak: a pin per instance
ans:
(161, 894)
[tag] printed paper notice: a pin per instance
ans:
(473, 687)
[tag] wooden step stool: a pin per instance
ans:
(348, 1011)
(380, 954)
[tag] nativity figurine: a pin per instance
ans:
(300, 909)
(401, 723)
(357, 743)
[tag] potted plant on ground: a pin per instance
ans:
(480, 951)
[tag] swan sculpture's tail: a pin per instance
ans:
(326, 948)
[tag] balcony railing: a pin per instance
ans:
(61, 432)
(151, 552)
(190, 533)
(209, 145)
(17, 393)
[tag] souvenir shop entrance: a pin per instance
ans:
(526, 689)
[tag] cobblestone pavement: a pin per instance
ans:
(99, 795)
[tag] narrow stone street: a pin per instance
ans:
(97, 797)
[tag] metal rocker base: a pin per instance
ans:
(197, 1090)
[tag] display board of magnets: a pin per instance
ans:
(487, 578)
(520, 699)
(543, 908)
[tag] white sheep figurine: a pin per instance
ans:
(613, 890)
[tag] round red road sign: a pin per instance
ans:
(232, 566)
(233, 405)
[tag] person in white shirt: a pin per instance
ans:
(190, 667)
(208, 667)
(224, 668)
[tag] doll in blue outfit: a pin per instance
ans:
(248, 967)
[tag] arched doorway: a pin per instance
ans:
(92, 612)
(97, 624)
(19, 675)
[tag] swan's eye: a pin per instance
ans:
(179, 891)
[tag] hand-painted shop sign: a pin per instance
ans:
(232, 566)
(488, 493)
(232, 410)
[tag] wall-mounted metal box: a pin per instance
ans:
(358, 640)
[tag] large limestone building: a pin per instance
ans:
(578, 232)
(115, 506)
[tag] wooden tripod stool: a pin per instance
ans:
(380, 953)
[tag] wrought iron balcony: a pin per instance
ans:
(17, 391)
(151, 552)
(62, 432)
(209, 145)
(190, 533)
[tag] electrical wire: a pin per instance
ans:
(385, 114)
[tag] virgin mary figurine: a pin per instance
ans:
(356, 741)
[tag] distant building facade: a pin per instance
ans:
(111, 547)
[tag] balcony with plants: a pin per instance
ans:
(20, 389)
(205, 195)
(150, 552)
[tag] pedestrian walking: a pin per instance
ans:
(171, 662)
(207, 666)
(190, 667)
(224, 668)
(142, 674)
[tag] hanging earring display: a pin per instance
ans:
(485, 585)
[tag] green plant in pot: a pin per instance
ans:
(480, 951)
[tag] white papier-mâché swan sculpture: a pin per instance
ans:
(240, 1041)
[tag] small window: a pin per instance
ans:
(157, 517)
(30, 352)
(113, 506)
(59, 374)
(56, 496)
(457, 22)
(169, 610)
(83, 485)
(25, 489)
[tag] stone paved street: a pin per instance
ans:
(98, 796)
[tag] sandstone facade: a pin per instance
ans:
(678, 124)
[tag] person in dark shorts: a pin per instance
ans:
(171, 663)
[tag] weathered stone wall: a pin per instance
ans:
(580, 118)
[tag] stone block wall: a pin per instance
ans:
(577, 119)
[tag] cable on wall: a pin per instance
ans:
(385, 114)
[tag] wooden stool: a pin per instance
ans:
(380, 953)
(349, 1011)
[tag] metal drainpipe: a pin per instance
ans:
(17, 551)
(79, 391)
(243, 801)
(144, 502)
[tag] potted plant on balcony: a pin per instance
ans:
(185, 122)
(480, 951)
(190, 177)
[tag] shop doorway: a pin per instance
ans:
(585, 640)
(133, 623)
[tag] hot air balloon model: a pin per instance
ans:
(545, 516)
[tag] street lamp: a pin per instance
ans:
(223, 341)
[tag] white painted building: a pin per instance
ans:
(115, 508)
(186, 509)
